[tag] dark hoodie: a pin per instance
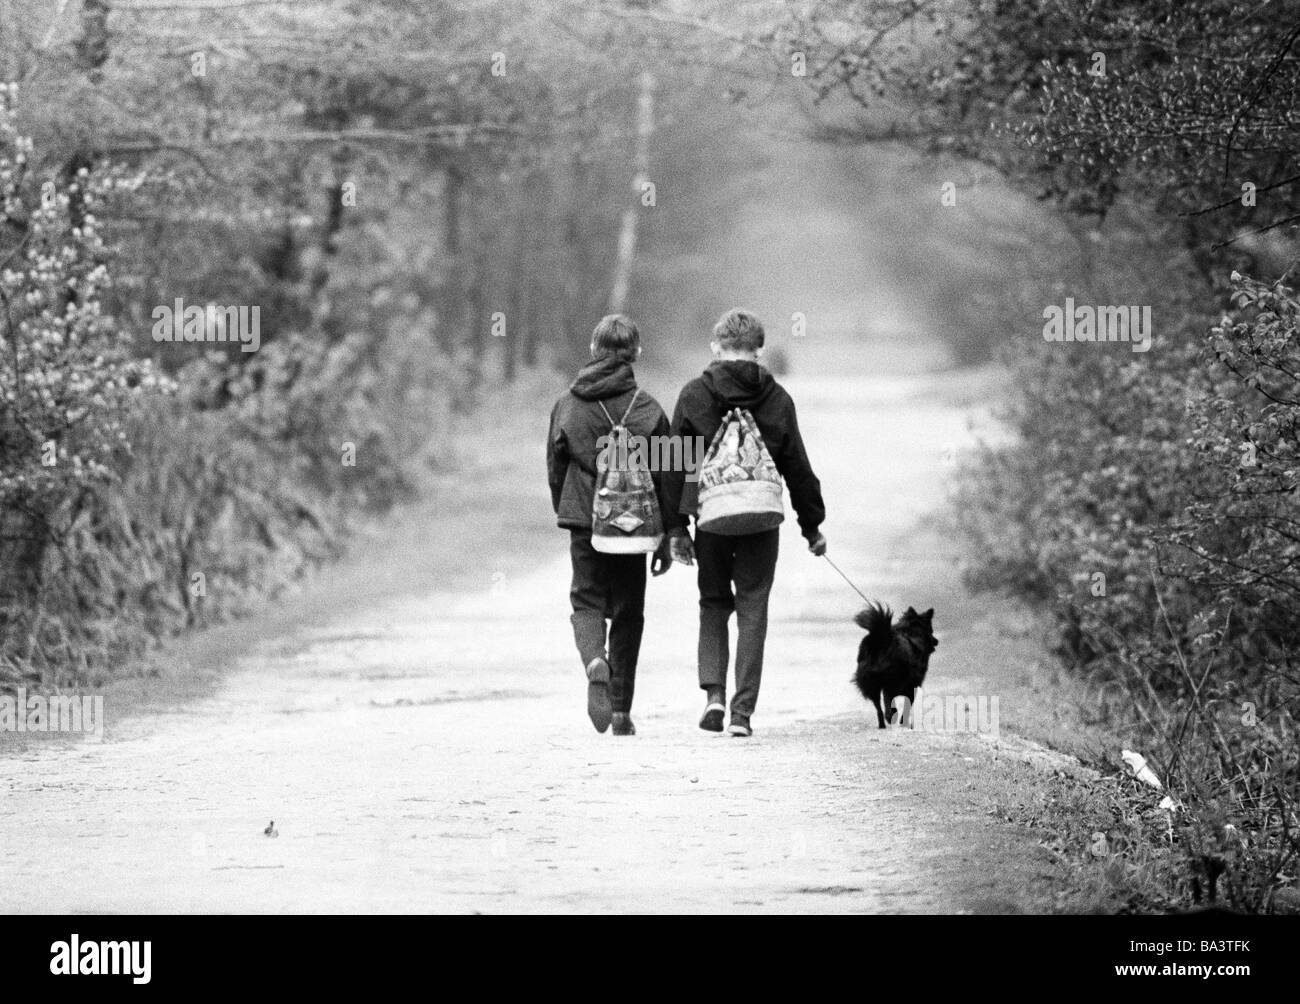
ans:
(577, 423)
(740, 383)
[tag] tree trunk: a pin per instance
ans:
(536, 269)
(516, 316)
(91, 46)
(452, 316)
(479, 326)
(573, 266)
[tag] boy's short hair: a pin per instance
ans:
(617, 334)
(739, 329)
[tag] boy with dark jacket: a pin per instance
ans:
(748, 562)
(605, 586)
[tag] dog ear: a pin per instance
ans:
(928, 615)
(911, 611)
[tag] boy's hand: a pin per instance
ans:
(663, 558)
(682, 549)
(818, 545)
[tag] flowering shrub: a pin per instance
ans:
(68, 383)
(135, 504)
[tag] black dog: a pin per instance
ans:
(893, 658)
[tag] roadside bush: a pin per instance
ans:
(1151, 504)
(134, 505)
(68, 383)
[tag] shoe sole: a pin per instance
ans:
(599, 709)
(740, 731)
(712, 719)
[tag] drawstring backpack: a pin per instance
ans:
(740, 487)
(625, 517)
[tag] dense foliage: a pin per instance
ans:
(417, 200)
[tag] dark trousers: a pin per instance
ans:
(748, 563)
(608, 586)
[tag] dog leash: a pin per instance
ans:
(845, 578)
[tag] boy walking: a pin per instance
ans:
(736, 572)
(606, 586)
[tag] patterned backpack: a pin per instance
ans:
(740, 487)
(625, 517)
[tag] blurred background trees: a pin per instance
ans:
(421, 201)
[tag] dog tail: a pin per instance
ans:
(878, 622)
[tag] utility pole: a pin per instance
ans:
(645, 122)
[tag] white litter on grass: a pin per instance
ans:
(1169, 806)
(1138, 764)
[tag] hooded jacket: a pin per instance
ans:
(578, 423)
(740, 383)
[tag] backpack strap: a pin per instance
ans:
(635, 394)
(722, 431)
(623, 420)
(751, 426)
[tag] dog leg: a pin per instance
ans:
(880, 715)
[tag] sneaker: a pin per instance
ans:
(623, 724)
(739, 727)
(711, 720)
(598, 707)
